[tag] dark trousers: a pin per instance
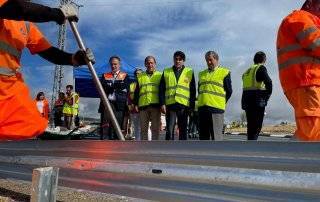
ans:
(210, 125)
(107, 128)
(254, 122)
(181, 116)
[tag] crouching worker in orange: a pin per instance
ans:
(298, 49)
(19, 116)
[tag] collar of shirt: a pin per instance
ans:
(178, 70)
(115, 74)
(150, 73)
(212, 70)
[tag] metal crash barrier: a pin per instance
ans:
(157, 169)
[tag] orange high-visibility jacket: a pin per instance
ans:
(298, 50)
(14, 37)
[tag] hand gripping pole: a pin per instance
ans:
(99, 87)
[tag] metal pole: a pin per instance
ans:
(98, 84)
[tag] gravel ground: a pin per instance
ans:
(12, 190)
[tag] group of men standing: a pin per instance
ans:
(173, 93)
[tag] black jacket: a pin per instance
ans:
(120, 88)
(258, 98)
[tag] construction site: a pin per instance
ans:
(159, 100)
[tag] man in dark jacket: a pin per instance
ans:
(257, 89)
(116, 86)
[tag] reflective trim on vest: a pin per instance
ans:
(176, 87)
(305, 33)
(10, 49)
(315, 44)
(211, 82)
(212, 93)
(178, 95)
(177, 91)
(149, 84)
(249, 81)
(289, 48)
(8, 71)
(297, 61)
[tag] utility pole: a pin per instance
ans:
(58, 71)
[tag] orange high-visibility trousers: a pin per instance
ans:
(306, 104)
(19, 116)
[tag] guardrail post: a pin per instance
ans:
(44, 184)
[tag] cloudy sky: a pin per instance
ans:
(134, 29)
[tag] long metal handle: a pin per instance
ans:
(99, 87)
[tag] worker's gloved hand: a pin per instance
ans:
(81, 57)
(70, 12)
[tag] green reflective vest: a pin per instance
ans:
(132, 88)
(211, 90)
(72, 109)
(177, 91)
(249, 79)
(149, 88)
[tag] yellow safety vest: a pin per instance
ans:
(178, 91)
(132, 88)
(149, 88)
(211, 90)
(72, 109)
(249, 79)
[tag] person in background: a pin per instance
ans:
(146, 99)
(20, 117)
(58, 109)
(134, 114)
(214, 91)
(42, 105)
(193, 126)
(298, 51)
(70, 107)
(177, 94)
(116, 87)
(257, 89)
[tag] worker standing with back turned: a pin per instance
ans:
(19, 117)
(257, 89)
(298, 50)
